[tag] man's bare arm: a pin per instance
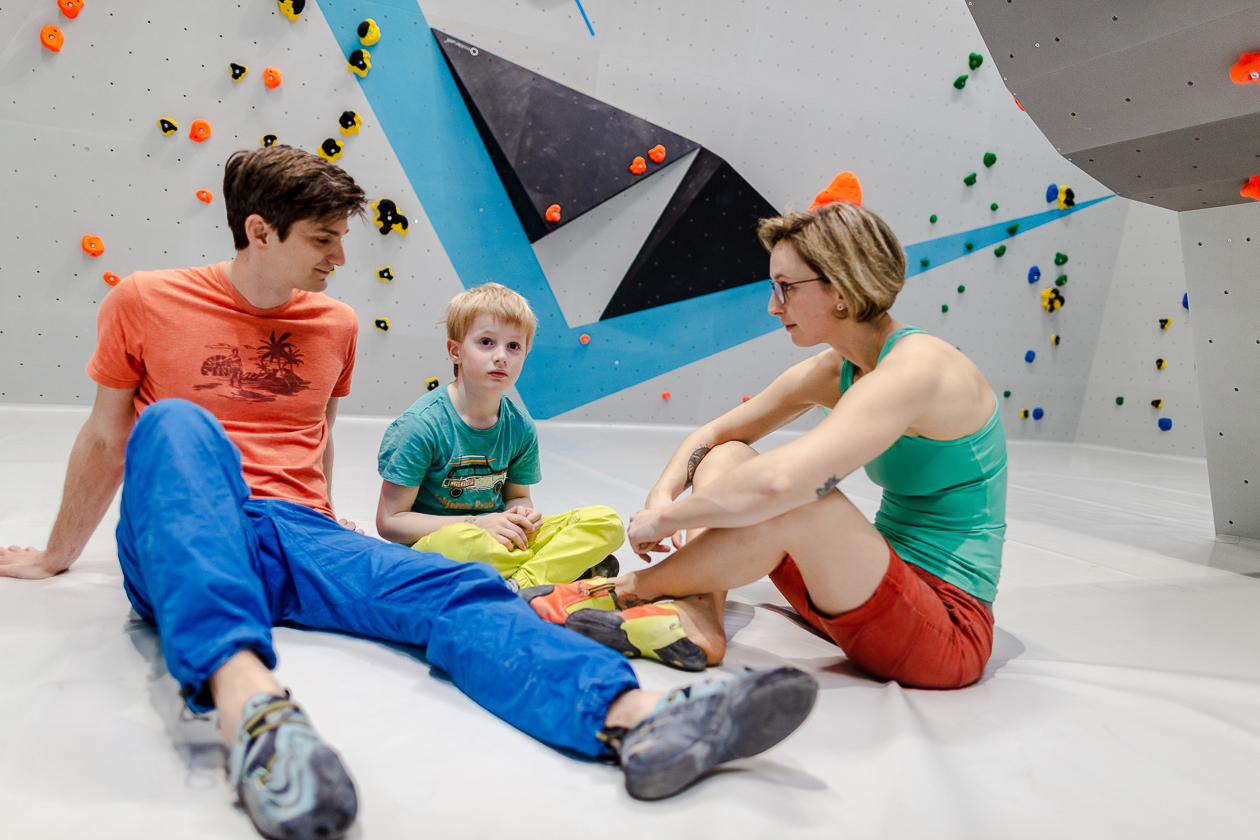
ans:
(92, 478)
(330, 415)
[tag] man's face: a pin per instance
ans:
(310, 252)
(491, 355)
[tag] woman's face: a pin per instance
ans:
(808, 310)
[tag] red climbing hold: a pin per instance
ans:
(638, 166)
(70, 8)
(200, 131)
(553, 213)
(111, 278)
(665, 395)
(1251, 189)
(93, 246)
(657, 153)
(205, 195)
(584, 338)
(844, 187)
(272, 77)
(1247, 69)
(51, 37)
(746, 399)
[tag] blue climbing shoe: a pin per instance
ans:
(693, 729)
(290, 782)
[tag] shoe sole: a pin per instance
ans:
(764, 711)
(607, 629)
(337, 805)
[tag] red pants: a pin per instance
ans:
(915, 629)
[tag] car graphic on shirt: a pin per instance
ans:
(472, 473)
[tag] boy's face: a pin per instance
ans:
(307, 255)
(491, 355)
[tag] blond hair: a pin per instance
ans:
(849, 246)
(495, 300)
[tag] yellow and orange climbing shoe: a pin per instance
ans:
(651, 631)
(557, 602)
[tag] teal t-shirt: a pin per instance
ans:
(458, 469)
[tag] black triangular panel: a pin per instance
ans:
(549, 143)
(704, 242)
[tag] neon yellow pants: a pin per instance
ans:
(560, 548)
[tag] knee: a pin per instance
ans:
(165, 413)
(722, 458)
(602, 518)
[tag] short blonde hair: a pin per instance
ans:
(495, 300)
(849, 246)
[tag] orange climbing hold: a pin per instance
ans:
(844, 187)
(1251, 189)
(93, 246)
(205, 195)
(638, 166)
(111, 278)
(665, 395)
(584, 338)
(553, 213)
(200, 131)
(70, 8)
(51, 37)
(657, 153)
(1246, 69)
(272, 77)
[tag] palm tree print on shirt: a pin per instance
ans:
(277, 360)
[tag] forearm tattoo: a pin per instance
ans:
(828, 486)
(694, 461)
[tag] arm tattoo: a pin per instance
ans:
(694, 461)
(828, 486)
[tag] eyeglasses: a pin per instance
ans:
(780, 288)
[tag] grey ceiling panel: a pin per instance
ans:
(1194, 196)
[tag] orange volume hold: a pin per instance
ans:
(553, 213)
(1246, 69)
(51, 37)
(657, 153)
(200, 131)
(70, 8)
(1252, 188)
(205, 195)
(844, 187)
(272, 77)
(111, 278)
(93, 246)
(638, 166)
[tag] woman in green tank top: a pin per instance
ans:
(907, 597)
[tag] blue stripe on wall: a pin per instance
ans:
(417, 104)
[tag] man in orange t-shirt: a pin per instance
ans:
(218, 389)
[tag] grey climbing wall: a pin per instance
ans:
(1221, 249)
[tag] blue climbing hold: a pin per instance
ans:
(1034, 274)
(1038, 413)
(1052, 192)
(1029, 356)
(1185, 301)
(1164, 424)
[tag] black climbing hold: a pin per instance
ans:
(292, 8)
(975, 60)
(961, 81)
(369, 33)
(238, 71)
(989, 160)
(385, 273)
(1054, 339)
(430, 384)
(1023, 412)
(970, 180)
(167, 126)
(359, 62)
(1164, 322)
(1159, 364)
(1067, 198)
(389, 217)
(330, 149)
(381, 324)
(1052, 299)
(1157, 403)
(268, 140)
(349, 122)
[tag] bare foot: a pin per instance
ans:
(701, 617)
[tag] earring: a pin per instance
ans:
(840, 306)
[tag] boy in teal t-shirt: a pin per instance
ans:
(458, 464)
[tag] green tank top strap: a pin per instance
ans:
(846, 370)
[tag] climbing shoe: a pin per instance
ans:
(693, 729)
(650, 631)
(290, 782)
(556, 602)
(609, 567)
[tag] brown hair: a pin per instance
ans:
(285, 185)
(495, 300)
(851, 247)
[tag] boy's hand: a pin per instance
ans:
(534, 516)
(509, 527)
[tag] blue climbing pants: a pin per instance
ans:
(215, 570)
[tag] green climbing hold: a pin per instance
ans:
(999, 251)
(1060, 259)
(993, 206)
(925, 262)
(962, 289)
(932, 218)
(1061, 280)
(970, 180)
(1013, 229)
(1119, 400)
(1006, 394)
(944, 307)
(969, 246)
(961, 81)
(975, 60)
(989, 159)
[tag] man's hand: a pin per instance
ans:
(511, 527)
(26, 563)
(346, 523)
(645, 533)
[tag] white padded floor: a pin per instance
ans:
(1122, 699)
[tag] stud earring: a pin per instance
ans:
(840, 306)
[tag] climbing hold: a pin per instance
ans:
(1067, 198)
(970, 180)
(381, 324)
(385, 274)
(844, 187)
(638, 166)
(1054, 339)
(1052, 192)
(1023, 413)
(1034, 274)
(665, 395)
(1060, 259)
(205, 196)
(1159, 364)
(999, 250)
(431, 384)
(584, 338)
(1119, 400)
(238, 71)
(1246, 69)
(925, 262)
(975, 60)
(329, 150)
(349, 122)
(272, 78)
(1164, 424)
(1021, 107)
(1185, 302)
(1061, 280)
(657, 153)
(961, 81)
(167, 126)
(969, 245)
(962, 289)
(1006, 394)
(51, 37)
(292, 8)
(92, 245)
(944, 307)
(553, 213)
(200, 131)
(1164, 322)
(1157, 403)
(1029, 356)
(70, 8)
(746, 399)
(1052, 299)
(1251, 189)
(388, 217)
(369, 32)
(111, 278)
(1011, 230)
(1038, 413)
(932, 218)
(268, 140)
(993, 206)
(359, 63)
(989, 160)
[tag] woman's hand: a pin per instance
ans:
(660, 502)
(646, 533)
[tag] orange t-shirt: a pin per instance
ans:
(267, 374)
